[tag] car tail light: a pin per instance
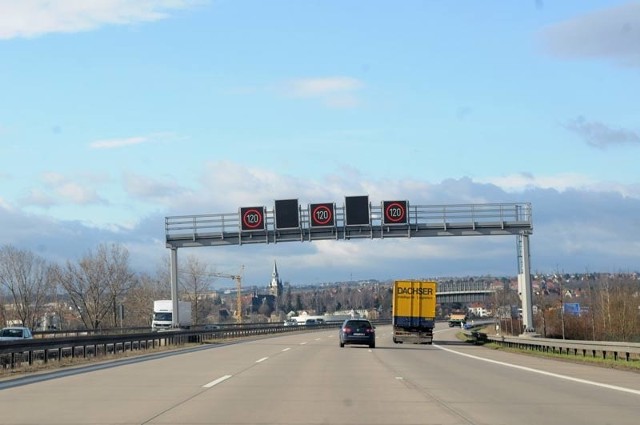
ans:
(369, 331)
(346, 330)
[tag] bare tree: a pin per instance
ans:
(265, 309)
(287, 300)
(3, 310)
(96, 283)
(138, 303)
(120, 278)
(624, 310)
(593, 305)
(25, 276)
(195, 280)
(605, 305)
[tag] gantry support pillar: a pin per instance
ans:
(524, 282)
(174, 287)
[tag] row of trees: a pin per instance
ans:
(599, 307)
(101, 290)
(339, 297)
(86, 293)
(609, 310)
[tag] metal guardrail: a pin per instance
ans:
(86, 332)
(602, 349)
(42, 350)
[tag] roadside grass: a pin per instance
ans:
(632, 365)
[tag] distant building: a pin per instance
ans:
(267, 302)
(478, 310)
(275, 287)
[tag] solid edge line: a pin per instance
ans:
(217, 381)
(542, 372)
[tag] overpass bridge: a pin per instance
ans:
(464, 292)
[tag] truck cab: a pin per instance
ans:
(163, 315)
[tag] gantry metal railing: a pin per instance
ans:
(421, 221)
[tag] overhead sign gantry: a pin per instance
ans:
(289, 221)
(356, 218)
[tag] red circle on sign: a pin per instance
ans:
(395, 212)
(252, 218)
(319, 218)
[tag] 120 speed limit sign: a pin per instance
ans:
(322, 215)
(252, 218)
(394, 212)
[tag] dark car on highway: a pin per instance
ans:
(357, 331)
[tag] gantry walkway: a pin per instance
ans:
(420, 221)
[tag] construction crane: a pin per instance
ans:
(238, 280)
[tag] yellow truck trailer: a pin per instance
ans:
(414, 311)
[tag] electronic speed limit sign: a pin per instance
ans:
(252, 218)
(322, 215)
(394, 212)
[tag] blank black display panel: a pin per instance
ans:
(357, 210)
(287, 216)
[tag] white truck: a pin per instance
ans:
(163, 315)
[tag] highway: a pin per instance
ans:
(305, 378)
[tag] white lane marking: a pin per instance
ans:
(317, 339)
(287, 349)
(261, 360)
(217, 381)
(542, 372)
(302, 343)
(399, 378)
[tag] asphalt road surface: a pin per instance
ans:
(306, 378)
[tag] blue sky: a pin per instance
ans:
(117, 113)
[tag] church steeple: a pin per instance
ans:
(275, 286)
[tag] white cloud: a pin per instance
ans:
(525, 181)
(578, 224)
(313, 87)
(32, 18)
(335, 92)
(52, 179)
(244, 186)
(77, 193)
(150, 189)
(117, 143)
(364, 254)
(159, 137)
(40, 198)
(519, 183)
(59, 189)
(4, 204)
(611, 33)
(625, 190)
